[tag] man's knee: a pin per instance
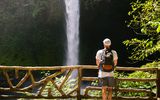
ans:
(104, 87)
(109, 88)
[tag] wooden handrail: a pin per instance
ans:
(39, 67)
(60, 70)
(118, 68)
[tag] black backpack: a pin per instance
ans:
(107, 60)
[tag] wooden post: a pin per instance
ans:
(16, 73)
(8, 79)
(49, 92)
(158, 81)
(79, 83)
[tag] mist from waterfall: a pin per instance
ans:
(72, 31)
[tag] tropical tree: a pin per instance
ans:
(146, 24)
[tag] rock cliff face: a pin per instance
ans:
(33, 31)
(101, 19)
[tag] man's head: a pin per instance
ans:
(107, 42)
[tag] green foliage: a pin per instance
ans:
(67, 87)
(141, 49)
(142, 85)
(29, 31)
(154, 64)
(146, 21)
(130, 84)
(137, 85)
(96, 93)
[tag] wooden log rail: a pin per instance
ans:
(116, 89)
(43, 91)
(66, 71)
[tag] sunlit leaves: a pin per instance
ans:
(158, 29)
(136, 85)
(154, 64)
(146, 19)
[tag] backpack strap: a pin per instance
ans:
(103, 53)
(101, 62)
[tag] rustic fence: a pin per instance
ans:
(38, 82)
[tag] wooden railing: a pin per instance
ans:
(38, 82)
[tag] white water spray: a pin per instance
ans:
(72, 31)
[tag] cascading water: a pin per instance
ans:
(72, 31)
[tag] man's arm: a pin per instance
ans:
(115, 57)
(98, 60)
(115, 62)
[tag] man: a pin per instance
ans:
(106, 78)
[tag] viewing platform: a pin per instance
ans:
(44, 82)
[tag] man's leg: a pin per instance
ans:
(104, 93)
(109, 93)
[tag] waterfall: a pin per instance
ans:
(72, 31)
